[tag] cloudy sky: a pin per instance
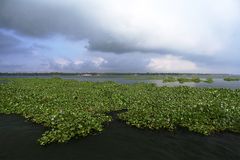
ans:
(200, 36)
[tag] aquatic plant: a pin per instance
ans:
(231, 79)
(202, 110)
(193, 79)
(71, 109)
(169, 79)
(208, 80)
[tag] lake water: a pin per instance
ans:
(117, 142)
(18, 137)
(218, 81)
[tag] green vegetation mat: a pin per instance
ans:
(231, 79)
(185, 80)
(75, 109)
(169, 79)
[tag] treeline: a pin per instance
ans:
(95, 73)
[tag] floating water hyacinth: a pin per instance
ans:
(169, 79)
(231, 79)
(77, 109)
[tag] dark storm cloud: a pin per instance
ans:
(11, 45)
(7, 42)
(39, 19)
(125, 26)
(118, 46)
(198, 31)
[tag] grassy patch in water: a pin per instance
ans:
(208, 80)
(75, 109)
(170, 79)
(193, 79)
(231, 79)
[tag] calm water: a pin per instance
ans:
(218, 81)
(18, 138)
(117, 142)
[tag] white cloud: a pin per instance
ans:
(85, 64)
(205, 31)
(200, 27)
(171, 63)
(78, 62)
(62, 62)
(98, 61)
(197, 27)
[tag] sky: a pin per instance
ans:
(200, 36)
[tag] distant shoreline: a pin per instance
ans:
(109, 73)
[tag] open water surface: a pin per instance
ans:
(18, 137)
(18, 141)
(218, 81)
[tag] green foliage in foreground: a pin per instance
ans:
(231, 79)
(75, 109)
